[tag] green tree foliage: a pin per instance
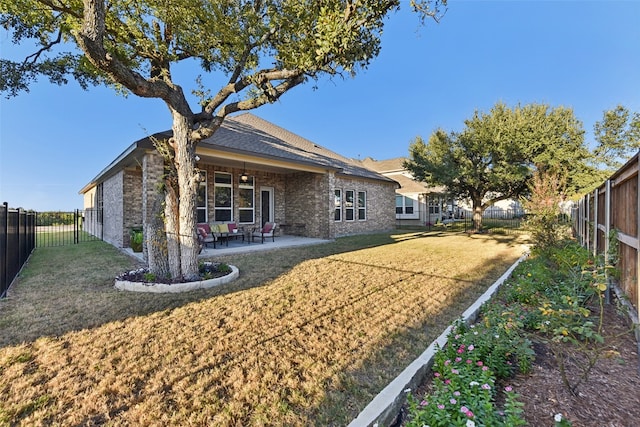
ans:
(260, 49)
(494, 156)
(617, 136)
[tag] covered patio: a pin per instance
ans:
(237, 246)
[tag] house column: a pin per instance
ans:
(152, 171)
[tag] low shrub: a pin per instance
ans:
(549, 297)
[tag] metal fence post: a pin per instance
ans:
(4, 277)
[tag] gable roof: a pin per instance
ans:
(249, 135)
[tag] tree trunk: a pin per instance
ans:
(477, 214)
(156, 239)
(188, 180)
(172, 232)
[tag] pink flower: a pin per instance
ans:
(441, 406)
(424, 403)
(437, 374)
(455, 371)
(453, 401)
(486, 386)
(469, 361)
(446, 362)
(469, 414)
(456, 393)
(485, 368)
(471, 347)
(479, 363)
(458, 359)
(508, 388)
(447, 382)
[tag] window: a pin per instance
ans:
(349, 196)
(222, 196)
(362, 205)
(246, 199)
(405, 207)
(338, 205)
(99, 202)
(434, 206)
(201, 201)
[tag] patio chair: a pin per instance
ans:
(205, 236)
(266, 231)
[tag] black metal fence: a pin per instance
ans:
(504, 221)
(17, 241)
(67, 228)
(22, 231)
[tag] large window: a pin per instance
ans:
(246, 197)
(222, 196)
(349, 205)
(201, 202)
(338, 205)
(406, 207)
(362, 205)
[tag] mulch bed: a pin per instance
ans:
(609, 397)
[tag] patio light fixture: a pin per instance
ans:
(244, 177)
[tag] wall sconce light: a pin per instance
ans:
(244, 177)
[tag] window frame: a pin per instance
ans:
(217, 185)
(407, 202)
(202, 185)
(362, 205)
(349, 209)
(248, 185)
(337, 200)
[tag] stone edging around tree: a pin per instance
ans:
(125, 285)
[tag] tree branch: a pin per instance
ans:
(295, 77)
(91, 40)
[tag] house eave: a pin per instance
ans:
(120, 162)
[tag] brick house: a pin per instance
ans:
(253, 172)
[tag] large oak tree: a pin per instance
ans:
(263, 48)
(494, 156)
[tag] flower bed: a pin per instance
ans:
(555, 298)
(141, 280)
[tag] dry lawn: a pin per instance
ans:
(305, 336)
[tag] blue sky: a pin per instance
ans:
(579, 54)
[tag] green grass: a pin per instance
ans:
(61, 238)
(305, 336)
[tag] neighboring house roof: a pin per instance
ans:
(250, 135)
(394, 169)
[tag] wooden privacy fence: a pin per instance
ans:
(606, 222)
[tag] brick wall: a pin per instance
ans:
(132, 202)
(306, 203)
(112, 229)
(381, 210)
